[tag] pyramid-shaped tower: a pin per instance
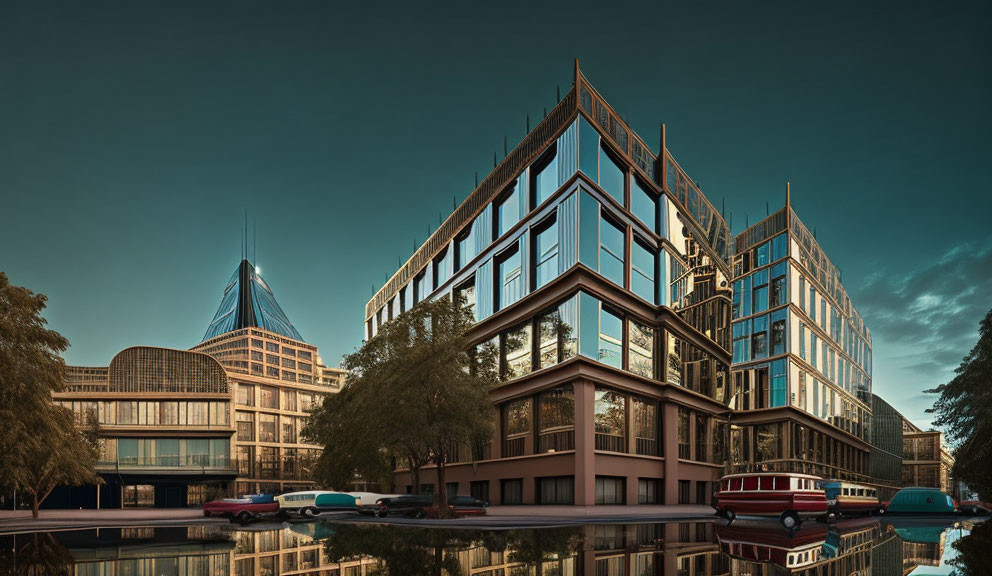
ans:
(248, 302)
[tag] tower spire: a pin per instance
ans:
(788, 195)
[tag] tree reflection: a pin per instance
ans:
(404, 551)
(38, 554)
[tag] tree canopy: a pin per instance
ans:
(417, 390)
(964, 411)
(39, 441)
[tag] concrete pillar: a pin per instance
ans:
(670, 442)
(585, 444)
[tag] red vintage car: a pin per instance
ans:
(788, 496)
(243, 510)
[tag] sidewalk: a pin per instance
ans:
(496, 516)
(21, 521)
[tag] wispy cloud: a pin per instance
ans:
(923, 322)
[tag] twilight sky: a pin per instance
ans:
(132, 138)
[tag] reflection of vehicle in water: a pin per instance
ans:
(921, 500)
(314, 502)
(788, 496)
(848, 498)
(757, 541)
(850, 535)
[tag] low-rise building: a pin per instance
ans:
(926, 461)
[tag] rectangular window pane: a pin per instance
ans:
(610, 339)
(517, 352)
(642, 270)
(640, 359)
(609, 416)
(546, 255)
(644, 204)
(611, 251)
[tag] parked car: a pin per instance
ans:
(244, 509)
(311, 503)
(921, 500)
(974, 508)
(422, 506)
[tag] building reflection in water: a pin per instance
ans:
(860, 547)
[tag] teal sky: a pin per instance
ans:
(134, 135)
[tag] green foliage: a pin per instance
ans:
(964, 410)
(39, 441)
(414, 391)
(973, 557)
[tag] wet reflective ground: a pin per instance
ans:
(863, 546)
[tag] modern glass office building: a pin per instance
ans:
(801, 357)
(227, 413)
(601, 272)
(885, 458)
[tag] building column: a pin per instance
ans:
(585, 444)
(670, 442)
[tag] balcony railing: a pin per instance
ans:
(610, 443)
(185, 462)
(556, 441)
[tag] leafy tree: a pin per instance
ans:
(39, 441)
(414, 391)
(964, 410)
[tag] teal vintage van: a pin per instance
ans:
(921, 501)
(313, 502)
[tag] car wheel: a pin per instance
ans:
(308, 512)
(420, 514)
(789, 519)
(244, 517)
(207, 514)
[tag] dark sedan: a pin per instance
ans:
(422, 506)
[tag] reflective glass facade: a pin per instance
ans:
(799, 343)
(249, 302)
(577, 258)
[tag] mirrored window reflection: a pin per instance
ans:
(611, 251)
(549, 343)
(516, 427)
(510, 285)
(545, 253)
(465, 247)
(611, 175)
(517, 352)
(640, 357)
(642, 271)
(507, 211)
(645, 423)
(465, 295)
(609, 417)
(544, 176)
(610, 338)
(644, 204)
(556, 420)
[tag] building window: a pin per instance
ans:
(780, 293)
(611, 490)
(766, 442)
(610, 338)
(780, 247)
(611, 175)
(506, 211)
(648, 491)
(644, 204)
(779, 318)
(611, 251)
(465, 295)
(246, 395)
(544, 176)
(268, 397)
(465, 247)
(642, 271)
(683, 434)
(517, 352)
(645, 423)
(556, 420)
(640, 349)
(419, 287)
(609, 416)
(551, 334)
(778, 384)
(759, 301)
(545, 252)
(558, 490)
(759, 338)
(509, 278)
(479, 489)
(516, 427)
(442, 269)
(511, 491)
